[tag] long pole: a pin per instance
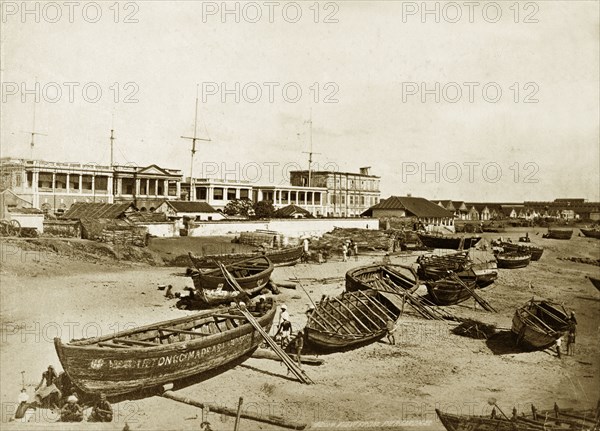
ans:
(239, 413)
(192, 194)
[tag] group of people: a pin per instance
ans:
(349, 248)
(56, 391)
(284, 334)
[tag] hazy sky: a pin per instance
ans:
(372, 64)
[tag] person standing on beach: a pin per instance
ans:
(344, 252)
(355, 250)
(558, 344)
(390, 326)
(572, 322)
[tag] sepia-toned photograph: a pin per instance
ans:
(300, 215)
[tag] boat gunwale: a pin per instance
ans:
(91, 344)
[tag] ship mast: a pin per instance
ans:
(192, 194)
(310, 152)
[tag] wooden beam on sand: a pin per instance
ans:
(268, 354)
(265, 418)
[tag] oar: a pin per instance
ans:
(492, 402)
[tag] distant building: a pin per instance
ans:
(54, 186)
(179, 211)
(419, 209)
(348, 194)
(292, 211)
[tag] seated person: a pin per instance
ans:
(102, 411)
(72, 411)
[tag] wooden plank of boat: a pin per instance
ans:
(556, 233)
(353, 309)
(590, 233)
(447, 242)
(513, 260)
(365, 277)
(595, 282)
(94, 367)
(279, 257)
(532, 331)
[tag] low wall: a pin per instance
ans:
(161, 229)
(62, 228)
(286, 227)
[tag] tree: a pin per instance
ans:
(238, 207)
(264, 209)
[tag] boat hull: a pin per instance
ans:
(447, 242)
(536, 252)
(477, 423)
(448, 292)
(350, 320)
(251, 281)
(403, 278)
(512, 260)
(595, 282)
(331, 341)
(534, 336)
(560, 233)
(113, 371)
(591, 233)
(283, 257)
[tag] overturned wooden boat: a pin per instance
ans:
(547, 420)
(513, 260)
(279, 257)
(595, 282)
(162, 352)
(449, 290)
(483, 273)
(431, 240)
(559, 233)
(251, 274)
(535, 251)
(591, 233)
(384, 278)
(435, 266)
(349, 320)
(538, 324)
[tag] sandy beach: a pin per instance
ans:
(379, 386)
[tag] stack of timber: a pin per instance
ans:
(279, 257)
(432, 240)
(261, 237)
(591, 233)
(212, 288)
(547, 420)
(161, 353)
(513, 260)
(536, 252)
(366, 239)
(538, 324)
(559, 233)
(350, 320)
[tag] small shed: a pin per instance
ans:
(292, 211)
(192, 211)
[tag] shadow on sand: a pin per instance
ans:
(503, 343)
